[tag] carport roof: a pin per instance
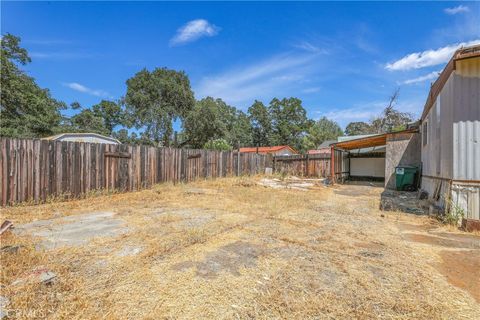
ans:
(370, 141)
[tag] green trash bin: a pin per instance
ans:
(405, 178)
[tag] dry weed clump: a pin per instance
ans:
(235, 249)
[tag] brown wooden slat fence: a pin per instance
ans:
(35, 170)
(317, 165)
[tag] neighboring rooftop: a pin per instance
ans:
(272, 149)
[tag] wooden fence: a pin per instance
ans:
(35, 170)
(315, 165)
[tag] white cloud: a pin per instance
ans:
(194, 30)
(430, 76)
(457, 9)
(428, 58)
(81, 88)
(261, 80)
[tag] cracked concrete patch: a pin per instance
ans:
(74, 230)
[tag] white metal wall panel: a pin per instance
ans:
(467, 197)
(367, 167)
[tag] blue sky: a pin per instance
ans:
(342, 59)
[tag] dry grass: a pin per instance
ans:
(237, 251)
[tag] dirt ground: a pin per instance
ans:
(237, 248)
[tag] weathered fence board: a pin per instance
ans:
(303, 165)
(35, 170)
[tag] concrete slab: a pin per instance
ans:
(74, 230)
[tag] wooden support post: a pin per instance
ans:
(332, 164)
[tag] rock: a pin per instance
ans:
(37, 275)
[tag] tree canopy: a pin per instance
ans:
(289, 122)
(261, 124)
(320, 131)
(26, 109)
(156, 99)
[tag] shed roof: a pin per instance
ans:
(326, 144)
(437, 86)
(80, 135)
(369, 140)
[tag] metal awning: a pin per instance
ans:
(370, 141)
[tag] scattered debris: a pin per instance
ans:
(38, 275)
(5, 226)
(422, 195)
(291, 183)
(404, 201)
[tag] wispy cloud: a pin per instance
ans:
(457, 9)
(48, 42)
(428, 58)
(84, 89)
(261, 80)
(194, 30)
(309, 47)
(430, 76)
(60, 55)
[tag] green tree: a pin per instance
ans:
(111, 113)
(261, 124)
(239, 128)
(88, 121)
(289, 122)
(358, 128)
(320, 131)
(126, 138)
(26, 110)
(217, 144)
(155, 99)
(206, 121)
(214, 119)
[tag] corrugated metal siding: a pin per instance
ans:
(466, 120)
(466, 154)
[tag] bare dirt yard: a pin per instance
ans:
(236, 248)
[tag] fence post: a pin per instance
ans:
(238, 164)
(307, 158)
